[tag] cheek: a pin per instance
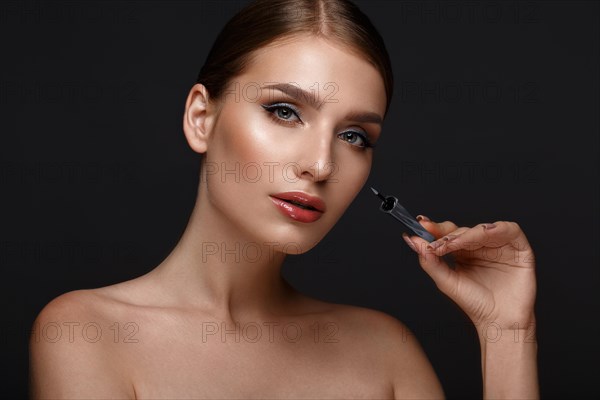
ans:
(357, 181)
(245, 152)
(350, 177)
(245, 137)
(354, 167)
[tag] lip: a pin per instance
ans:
(296, 212)
(302, 198)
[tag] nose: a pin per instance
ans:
(316, 160)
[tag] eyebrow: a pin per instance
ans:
(309, 98)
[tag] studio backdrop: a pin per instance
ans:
(494, 117)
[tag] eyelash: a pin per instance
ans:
(270, 108)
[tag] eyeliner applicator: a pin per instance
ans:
(390, 205)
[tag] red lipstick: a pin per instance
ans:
(299, 206)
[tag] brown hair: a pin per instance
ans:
(263, 21)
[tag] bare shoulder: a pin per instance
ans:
(395, 347)
(71, 351)
(89, 307)
(69, 304)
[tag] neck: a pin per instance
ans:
(222, 270)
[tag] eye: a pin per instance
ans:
(354, 137)
(283, 113)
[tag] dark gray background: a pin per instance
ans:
(495, 116)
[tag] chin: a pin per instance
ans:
(294, 240)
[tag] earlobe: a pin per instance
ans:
(197, 118)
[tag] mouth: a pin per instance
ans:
(305, 207)
(302, 200)
(299, 206)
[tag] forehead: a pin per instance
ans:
(318, 64)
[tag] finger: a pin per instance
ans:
(442, 275)
(437, 229)
(488, 235)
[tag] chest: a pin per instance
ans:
(304, 368)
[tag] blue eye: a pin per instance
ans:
(352, 137)
(283, 112)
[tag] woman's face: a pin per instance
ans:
(266, 142)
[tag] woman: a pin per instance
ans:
(285, 112)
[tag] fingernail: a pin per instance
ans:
(436, 244)
(488, 226)
(409, 242)
(422, 218)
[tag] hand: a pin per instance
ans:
(494, 275)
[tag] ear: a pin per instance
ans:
(198, 118)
